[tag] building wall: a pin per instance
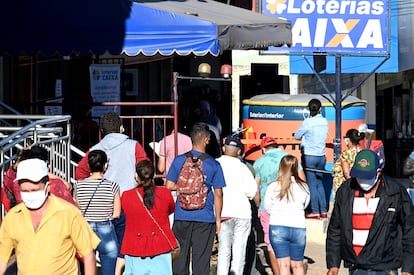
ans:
(241, 62)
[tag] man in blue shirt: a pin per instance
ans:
(196, 229)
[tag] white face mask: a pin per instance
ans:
(34, 200)
(366, 184)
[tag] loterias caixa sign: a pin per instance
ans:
(334, 26)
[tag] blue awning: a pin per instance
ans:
(152, 31)
(168, 27)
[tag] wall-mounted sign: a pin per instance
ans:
(334, 26)
(105, 87)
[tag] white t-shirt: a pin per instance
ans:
(287, 212)
(240, 187)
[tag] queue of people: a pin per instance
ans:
(118, 211)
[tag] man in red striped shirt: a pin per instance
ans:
(372, 224)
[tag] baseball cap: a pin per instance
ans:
(266, 141)
(31, 169)
(234, 141)
(363, 128)
(366, 165)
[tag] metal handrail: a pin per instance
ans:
(34, 125)
(43, 130)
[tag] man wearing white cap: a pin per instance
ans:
(45, 231)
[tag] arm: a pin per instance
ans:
(218, 205)
(345, 169)
(301, 131)
(3, 268)
(139, 153)
(161, 164)
(170, 185)
(302, 175)
(307, 199)
(67, 184)
(407, 228)
(333, 238)
(257, 196)
(117, 206)
(171, 204)
(249, 184)
(83, 171)
(90, 264)
(270, 196)
(333, 271)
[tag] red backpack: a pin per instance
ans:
(191, 189)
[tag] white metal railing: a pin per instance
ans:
(54, 133)
(51, 132)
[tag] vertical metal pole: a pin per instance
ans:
(338, 108)
(68, 152)
(175, 98)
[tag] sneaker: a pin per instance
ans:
(324, 215)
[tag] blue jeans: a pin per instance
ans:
(288, 241)
(232, 246)
(108, 247)
(119, 225)
(315, 183)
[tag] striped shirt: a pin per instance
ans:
(362, 217)
(101, 206)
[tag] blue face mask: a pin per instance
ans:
(367, 184)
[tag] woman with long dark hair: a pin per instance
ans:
(148, 237)
(100, 203)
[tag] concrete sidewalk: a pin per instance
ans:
(315, 247)
(315, 251)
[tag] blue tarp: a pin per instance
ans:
(149, 27)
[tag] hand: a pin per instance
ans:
(333, 271)
(406, 273)
(218, 226)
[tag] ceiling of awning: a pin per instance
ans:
(144, 27)
(200, 27)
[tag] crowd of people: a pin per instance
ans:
(116, 209)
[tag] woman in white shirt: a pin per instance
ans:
(285, 201)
